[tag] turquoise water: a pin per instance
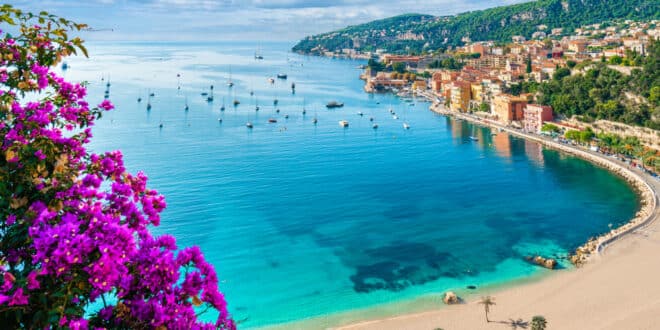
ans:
(303, 220)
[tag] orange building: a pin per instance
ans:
(509, 108)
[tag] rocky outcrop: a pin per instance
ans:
(548, 263)
(450, 298)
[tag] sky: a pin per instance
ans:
(254, 20)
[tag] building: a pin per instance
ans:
(460, 96)
(578, 46)
(509, 108)
(534, 115)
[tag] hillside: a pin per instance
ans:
(415, 32)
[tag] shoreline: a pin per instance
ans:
(454, 316)
(582, 297)
(596, 245)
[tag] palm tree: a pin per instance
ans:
(539, 322)
(487, 301)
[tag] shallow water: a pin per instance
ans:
(303, 220)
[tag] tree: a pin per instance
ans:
(487, 301)
(550, 128)
(528, 69)
(539, 323)
(399, 67)
(74, 224)
(615, 60)
(561, 73)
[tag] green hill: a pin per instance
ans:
(398, 34)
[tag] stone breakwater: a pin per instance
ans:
(595, 245)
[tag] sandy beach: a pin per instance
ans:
(617, 288)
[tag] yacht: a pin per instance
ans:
(406, 126)
(343, 123)
(474, 138)
(334, 104)
(248, 125)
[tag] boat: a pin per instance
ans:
(272, 120)
(148, 106)
(395, 117)
(139, 99)
(271, 80)
(304, 111)
(343, 123)
(374, 126)
(293, 85)
(275, 102)
(286, 116)
(219, 120)
(360, 113)
(203, 93)
(209, 98)
(256, 108)
(281, 75)
(222, 108)
(334, 104)
(371, 118)
(406, 126)
(248, 124)
(258, 57)
(230, 83)
(152, 94)
(251, 92)
(277, 110)
(474, 138)
(237, 102)
(315, 120)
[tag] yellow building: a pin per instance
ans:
(460, 96)
(477, 92)
(419, 84)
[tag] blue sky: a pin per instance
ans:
(260, 20)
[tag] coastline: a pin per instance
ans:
(526, 293)
(589, 296)
(595, 245)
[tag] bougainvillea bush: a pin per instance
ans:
(75, 246)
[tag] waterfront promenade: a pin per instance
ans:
(616, 289)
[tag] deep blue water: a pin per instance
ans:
(303, 220)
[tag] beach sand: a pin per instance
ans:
(617, 289)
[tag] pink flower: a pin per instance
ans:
(106, 105)
(39, 154)
(11, 219)
(32, 282)
(18, 298)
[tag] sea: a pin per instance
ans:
(308, 220)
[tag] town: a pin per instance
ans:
(486, 80)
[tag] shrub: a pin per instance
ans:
(74, 225)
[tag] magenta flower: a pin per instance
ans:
(18, 298)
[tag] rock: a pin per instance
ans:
(450, 298)
(550, 263)
(543, 262)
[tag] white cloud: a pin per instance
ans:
(236, 19)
